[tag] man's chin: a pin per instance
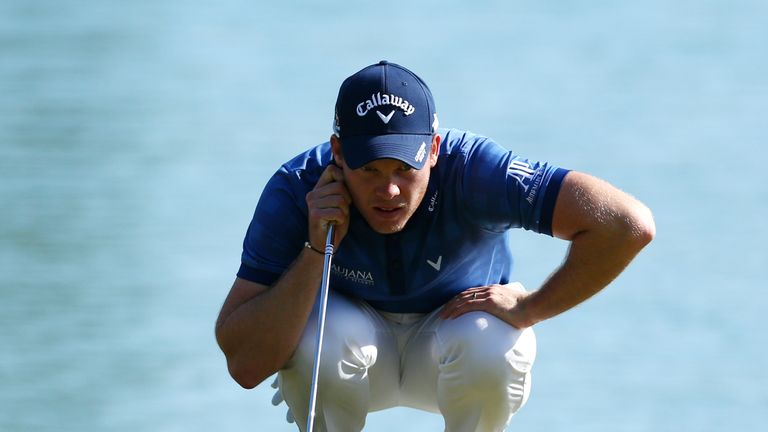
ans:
(388, 230)
(386, 224)
(386, 227)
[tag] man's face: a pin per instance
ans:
(387, 192)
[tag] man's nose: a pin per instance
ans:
(388, 190)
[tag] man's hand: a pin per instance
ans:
(328, 203)
(501, 301)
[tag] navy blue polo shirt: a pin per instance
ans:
(457, 239)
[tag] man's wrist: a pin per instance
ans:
(523, 313)
(308, 245)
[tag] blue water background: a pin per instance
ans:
(135, 139)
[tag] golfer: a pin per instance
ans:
(423, 309)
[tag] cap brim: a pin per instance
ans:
(408, 148)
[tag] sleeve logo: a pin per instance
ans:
(522, 172)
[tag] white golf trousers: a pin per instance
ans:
(475, 370)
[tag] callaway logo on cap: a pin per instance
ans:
(385, 111)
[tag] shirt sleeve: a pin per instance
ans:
(276, 232)
(502, 190)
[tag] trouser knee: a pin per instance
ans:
(348, 346)
(348, 351)
(483, 355)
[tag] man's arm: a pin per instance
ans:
(607, 228)
(259, 327)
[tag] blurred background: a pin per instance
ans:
(136, 137)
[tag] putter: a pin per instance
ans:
(320, 326)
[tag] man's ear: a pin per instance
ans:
(338, 155)
(434, 151)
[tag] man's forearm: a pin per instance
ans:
(594, 259)
(260, 335)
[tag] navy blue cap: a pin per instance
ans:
(385, 111)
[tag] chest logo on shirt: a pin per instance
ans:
(436, 264)
(433, 201)
(352, 275)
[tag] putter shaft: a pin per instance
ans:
(320, 325)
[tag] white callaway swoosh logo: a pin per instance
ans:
(384, 118)
(436, 265)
